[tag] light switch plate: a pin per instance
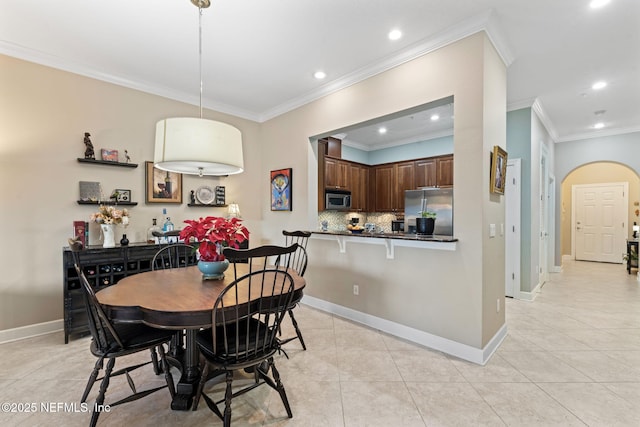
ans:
(492, 230)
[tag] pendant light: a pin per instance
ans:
(198, 146)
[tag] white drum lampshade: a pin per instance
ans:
(198, 146)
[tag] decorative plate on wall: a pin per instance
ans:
(205, 195)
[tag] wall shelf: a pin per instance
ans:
(108, 163)
(200, 205)
(105, 202)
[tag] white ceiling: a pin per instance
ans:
(259, 56)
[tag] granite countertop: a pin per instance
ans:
(401, 236)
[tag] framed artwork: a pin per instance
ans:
(109, 155)
(498, 170)
(122, 195)
(162, 186)
(281, 181)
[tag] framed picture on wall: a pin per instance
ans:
(162, 186)
(281, 181)
(498, 170)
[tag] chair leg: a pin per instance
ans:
(167, 371)
(92, 379)
(176, 346)
(298, 332)
(154, 361)
(227, 400)
(280, 388)
(203, 379)
(97, 408)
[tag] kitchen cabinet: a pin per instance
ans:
(404, 180)
(391, 181)
(359, 184)
(383, 184)
(426, 172)
(336, 174)
(434, 172)
(445, 171)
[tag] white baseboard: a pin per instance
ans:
(29, 331)
(530, 296)
(453, 348)
(556, 269)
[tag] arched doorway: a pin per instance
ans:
(596, 173)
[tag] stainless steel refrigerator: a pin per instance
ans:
(438, 200)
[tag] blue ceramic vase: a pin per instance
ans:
(213, 270)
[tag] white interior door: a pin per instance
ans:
(600, 221)
(512, 226)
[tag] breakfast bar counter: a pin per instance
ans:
(389, 240)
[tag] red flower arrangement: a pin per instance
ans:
(212, 234)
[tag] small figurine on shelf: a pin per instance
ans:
(88, 152)
(192, 197)
(126, 156)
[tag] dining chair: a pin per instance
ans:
(113, 340)
(299, 264)
(176, 255)
(246, 317)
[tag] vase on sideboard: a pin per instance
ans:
(108, 233)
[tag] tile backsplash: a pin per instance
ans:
(338, 220)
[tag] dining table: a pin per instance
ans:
(179, 299)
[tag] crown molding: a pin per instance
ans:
(60, 63)
(601, 133)
(399, 142)
(544, 118)
(483, 22)
(519, 105)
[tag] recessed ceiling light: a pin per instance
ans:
(319, 75)
(435, 117)
(395, 34)
(599, 85)
(382, 130)
(598, 125)
(595, 4)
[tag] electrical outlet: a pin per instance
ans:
(356, 290)
(498, 305)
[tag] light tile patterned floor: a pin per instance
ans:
(572, 357)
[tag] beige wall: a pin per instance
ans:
(44, 114)
(450, 294)
(595, 173)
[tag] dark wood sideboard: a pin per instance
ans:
(103, 267)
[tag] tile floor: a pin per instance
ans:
(572, 357)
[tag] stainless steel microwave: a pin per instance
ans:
(337, 200)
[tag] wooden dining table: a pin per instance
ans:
(177, 299)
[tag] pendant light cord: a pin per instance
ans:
(200, 52)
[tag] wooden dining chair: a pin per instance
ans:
(299, 264)
(176, 255)
(246, 317)
(113, 340)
